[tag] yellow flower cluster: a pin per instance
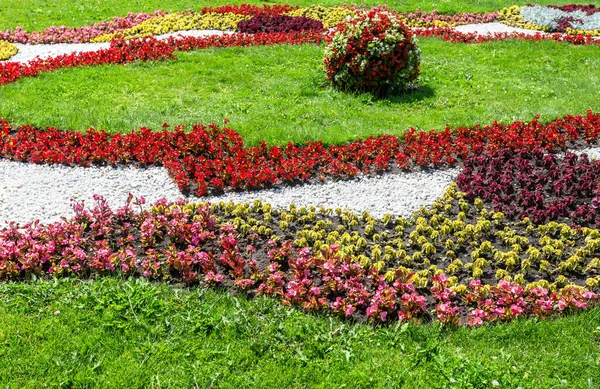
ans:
(416, 23)
(511, 16)
(329, 16)
(179, 21)
(583, 32)
(463, 240)
(7, 50)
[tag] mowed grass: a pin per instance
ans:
(280, 94)
(117, 333)
(37, 14)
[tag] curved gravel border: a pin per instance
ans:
(43, 192)
(29, 192)
(494, 28)
(28, 52)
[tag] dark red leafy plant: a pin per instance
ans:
(534, 184)
(212, 159)
(278, 23)
(589, 9)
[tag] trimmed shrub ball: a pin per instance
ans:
(373, 52)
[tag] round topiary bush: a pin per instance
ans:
(372, 52)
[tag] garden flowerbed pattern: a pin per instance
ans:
(577, 19)
(462, 261)
(517, 242)
(280, 18)
(457, 262)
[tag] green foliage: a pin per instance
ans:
(115, 332)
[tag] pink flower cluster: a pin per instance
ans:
(186, 242)
(508, 301)
(429, 18)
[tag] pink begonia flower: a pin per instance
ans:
(384, 315)
(516, 310)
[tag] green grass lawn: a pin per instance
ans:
(126, 333)
(38, 14)
(279, 93)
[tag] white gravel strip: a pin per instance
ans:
(29, 192)
(493, 28)
(396, 194)
(28, 52)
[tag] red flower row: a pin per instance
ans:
(451, 35)
(149, 49)
(120, 52)
(249, 9)
(212, 158)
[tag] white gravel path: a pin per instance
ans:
(29, 192)
(43, 192)
(28, 52)
(493, 28)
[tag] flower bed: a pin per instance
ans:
(212, 159)
(228, 17)
(450, 263)
(571, 19)
(77, 34)
(531, 184)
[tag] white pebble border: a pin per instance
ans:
(493, 28)
(28, 52)
(43, 192)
